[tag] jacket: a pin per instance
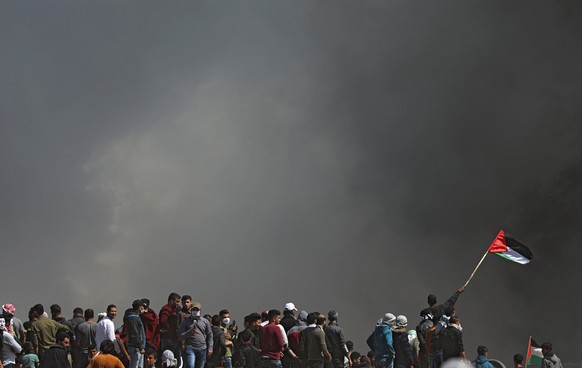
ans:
(169, 323)
(150, 322)
(135, 332)
(482, 362)
(402, 348)
(421, 330)
(451, 339)
(336, 341)
(56, 357)
(439, 310)
(551, 361)
(382, 342)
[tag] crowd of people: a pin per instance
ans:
(180, 335)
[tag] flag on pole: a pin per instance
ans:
(507, 247)
(534, 353)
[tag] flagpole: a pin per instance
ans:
(475, 270)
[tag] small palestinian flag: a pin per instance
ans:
(507, 247)
(534, 353)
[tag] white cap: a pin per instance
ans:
(389, 319)
(290, 307)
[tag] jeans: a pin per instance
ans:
(194, 358)
(135, 357)
(227, 362)
(271, 363)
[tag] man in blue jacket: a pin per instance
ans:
(380, 341)
(481, 361)
(136, 339)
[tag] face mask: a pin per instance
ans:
(225, 321)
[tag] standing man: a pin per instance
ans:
(550, 360)
(44, 330)
(336, 341)
(85, 337)
(13, 325)
(9, 346)
(452, 340)
(224, 323)
(198, 338)
(381, 342)
(136, 339)
(288, 320)
(75, 322)
(169, 323)
(421, 332)
(57, 356)
(106, 327)
(313, 346)
(439, 310)
(271, 341)
(481, 361)
(150, 321)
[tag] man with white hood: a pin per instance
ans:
(380, 341)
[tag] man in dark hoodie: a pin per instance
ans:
(57, 356)
(403, 351)
(550, 360)
(481, 361)
(425, 324)
(439, 310)
(136, 339)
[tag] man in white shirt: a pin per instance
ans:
(106, 328)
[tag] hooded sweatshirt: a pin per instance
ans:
(551, 361)
(482, 362)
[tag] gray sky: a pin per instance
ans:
(348, 155)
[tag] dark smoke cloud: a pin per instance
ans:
(345, 155)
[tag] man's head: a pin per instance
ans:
(186, 303)
(107, 347)
(55, 311)
(2, 324)
(454, 320)
(196, 309)
(173, 300)
(37, 310)
(355, 357)
(312, 318)
(547, 348)
(253, 321)
(431, 300)
(89, 314)
(246, 336)
(274, 316)
(350, 345)
(321, 320)
(389, 319)
(450, 311)
(146, 304)
(151, 356)
(215, 320)
(63, 339)
(332, 316)
(138, 306)
(401, 321)
(289, 309)
(482, 350)
(8, 311)
(78, 312)
(224, 317)
(111, 311)
(517, 360)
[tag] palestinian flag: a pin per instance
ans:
(534, 353)
(507, 247)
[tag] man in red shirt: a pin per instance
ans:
(271, 341)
